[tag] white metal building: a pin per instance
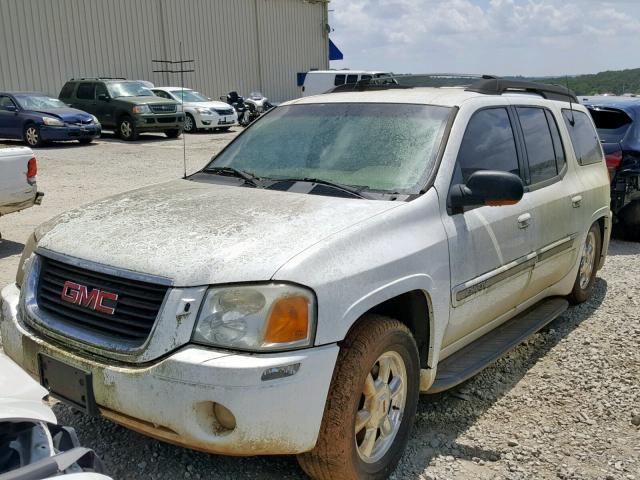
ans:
(241, 45)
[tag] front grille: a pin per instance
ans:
(82, 122)
(162, 108)
(135, 312)
(226, 111)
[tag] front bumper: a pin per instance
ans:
(172, 399)
(159, 122)
(204, 120)
(69, 132)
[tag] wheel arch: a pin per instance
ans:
(604, 222)
(414, 309)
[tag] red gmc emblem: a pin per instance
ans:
(80, 295)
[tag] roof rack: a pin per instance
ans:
(490, 85)
(98, 78)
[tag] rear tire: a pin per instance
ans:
(630, 220)
(371, 404)
(127, 129)
(173, 133)
(32, 136)
(590, 257)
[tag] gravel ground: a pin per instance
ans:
(566, 404)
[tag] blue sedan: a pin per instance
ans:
(37, 118)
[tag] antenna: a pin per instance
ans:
(181, 71)
(572, 122)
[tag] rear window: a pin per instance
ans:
(612, 124)
(67, 90)
(584, 138)
(86, 91)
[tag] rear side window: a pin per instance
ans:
(488, 144)
(542, 150)
(67, 90)
(366, 77)
(339, 80)
(612, 124)
(352, 78)
(584, 138)
(86, 91)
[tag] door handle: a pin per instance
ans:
(576, 201)
(524, 220)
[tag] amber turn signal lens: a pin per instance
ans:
(289, 320)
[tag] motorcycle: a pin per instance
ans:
(261, 102)
(246, 111)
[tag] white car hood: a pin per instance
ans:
(20, 396)
(212, 104)
(200, 233)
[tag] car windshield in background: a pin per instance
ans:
(190, 96)
(378, 146)
(39, 102)
(612, 123)
(128, 89)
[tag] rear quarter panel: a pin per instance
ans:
(14, 188)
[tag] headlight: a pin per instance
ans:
(257, 318)
(29, 248)
(202, 110)
(141, 109)
(179, 108)
(95, 119)
(54, 122)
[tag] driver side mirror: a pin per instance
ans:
(103, 97)
(486, 187)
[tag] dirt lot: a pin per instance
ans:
(564, 405)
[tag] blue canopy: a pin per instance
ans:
(334, 52)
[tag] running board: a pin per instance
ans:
(473, 358)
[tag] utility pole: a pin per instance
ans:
(181, 70)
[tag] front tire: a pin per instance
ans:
(32, 135)
(371, 404)
(173, 133)
(590, 257)
(189, 124)
(127, 129)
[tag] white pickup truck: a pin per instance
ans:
(18, 189)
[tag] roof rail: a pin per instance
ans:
(97, 78)
(497, 86)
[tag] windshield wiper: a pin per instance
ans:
(230, 171)
(356, 191)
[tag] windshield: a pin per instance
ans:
(256, 95)
(190, 96)
(39, 102)
(386, 147)
(128, 89)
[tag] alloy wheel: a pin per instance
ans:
(31, 135)
(125, 129)
(188, 124)
(381, 408)
(587, 263)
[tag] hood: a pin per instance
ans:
(201, 233)
(211, 104)
(69, 115)
(21, 396)
(146, 99)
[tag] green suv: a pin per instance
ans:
(126, 106)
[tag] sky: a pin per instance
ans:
(501, 37)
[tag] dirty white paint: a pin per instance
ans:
(15, 192)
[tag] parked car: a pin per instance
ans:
(345, 253)
(200, 111)
(316, 82)
(37, 118)
(32, 445)
(618, 122)
(125, 106)
(18, 186)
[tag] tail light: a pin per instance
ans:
(613, 162)
(32, 170)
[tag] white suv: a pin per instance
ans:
(345, 253)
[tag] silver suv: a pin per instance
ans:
(344, 254)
